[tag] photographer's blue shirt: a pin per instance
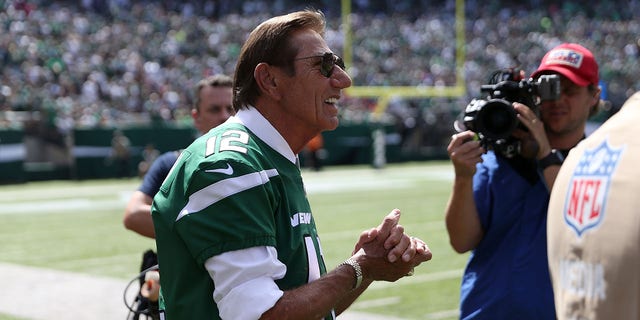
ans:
(507, 276)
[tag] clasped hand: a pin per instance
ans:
(387, 253)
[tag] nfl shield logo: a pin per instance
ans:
(586, 199)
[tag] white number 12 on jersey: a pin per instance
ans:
(229, 141)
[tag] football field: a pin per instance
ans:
(61, 237)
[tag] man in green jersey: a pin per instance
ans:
(234, 230)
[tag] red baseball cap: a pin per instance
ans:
(572, 61)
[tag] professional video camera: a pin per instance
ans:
(494, 119)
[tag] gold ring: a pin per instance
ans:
(410, 273)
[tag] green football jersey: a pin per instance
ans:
(229, 190)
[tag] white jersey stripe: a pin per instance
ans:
(222, 189)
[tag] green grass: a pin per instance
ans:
(77, 226)
(9, 317)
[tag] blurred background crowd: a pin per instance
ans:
(114, 63)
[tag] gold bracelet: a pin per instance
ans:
(356, 267)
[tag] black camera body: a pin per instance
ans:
(494, 119)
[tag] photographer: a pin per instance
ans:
(498, 205)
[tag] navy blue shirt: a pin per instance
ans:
(158, 172)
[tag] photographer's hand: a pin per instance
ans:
(536, 131)
(465, 152)
(463, 223)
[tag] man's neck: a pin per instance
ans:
(286, 124)
(565, 141)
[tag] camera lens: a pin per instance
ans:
(497, 119)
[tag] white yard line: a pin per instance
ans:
(418, 278)
(37, 293)
(109, 197)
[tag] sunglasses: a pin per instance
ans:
(329, 60)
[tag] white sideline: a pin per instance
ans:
(39, 294)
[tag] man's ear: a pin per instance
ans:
(266, 78)
(598, 102)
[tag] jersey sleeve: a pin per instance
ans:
(246, 275)
(230, 207)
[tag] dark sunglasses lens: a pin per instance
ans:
(340, 63)
(329, 60)
(326, 68)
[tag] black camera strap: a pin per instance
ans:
(526, 168)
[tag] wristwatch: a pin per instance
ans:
(356, 267)
(554, 158)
